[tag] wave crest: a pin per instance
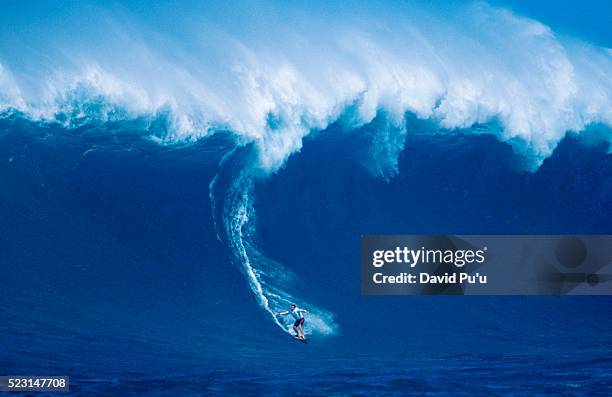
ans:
(471, 65)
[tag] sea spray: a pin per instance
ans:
(232, 199)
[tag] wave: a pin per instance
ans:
(467, 65)
(356, 68)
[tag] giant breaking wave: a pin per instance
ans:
(274, 76)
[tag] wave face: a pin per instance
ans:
(127, 248)
(128, 245)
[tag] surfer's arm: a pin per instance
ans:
(304, 311)
(283, 313)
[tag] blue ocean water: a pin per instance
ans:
(113, 272)
(175, 174)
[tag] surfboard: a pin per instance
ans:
(300, 339)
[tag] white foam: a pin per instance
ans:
(274, 76)
(268, 280)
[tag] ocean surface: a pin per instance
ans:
(166, 189)
(113, 272)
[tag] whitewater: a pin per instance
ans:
(274, 78)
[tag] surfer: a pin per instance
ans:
(298, 315)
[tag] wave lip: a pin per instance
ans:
(471, 64)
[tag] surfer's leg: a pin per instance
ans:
(302, 328)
